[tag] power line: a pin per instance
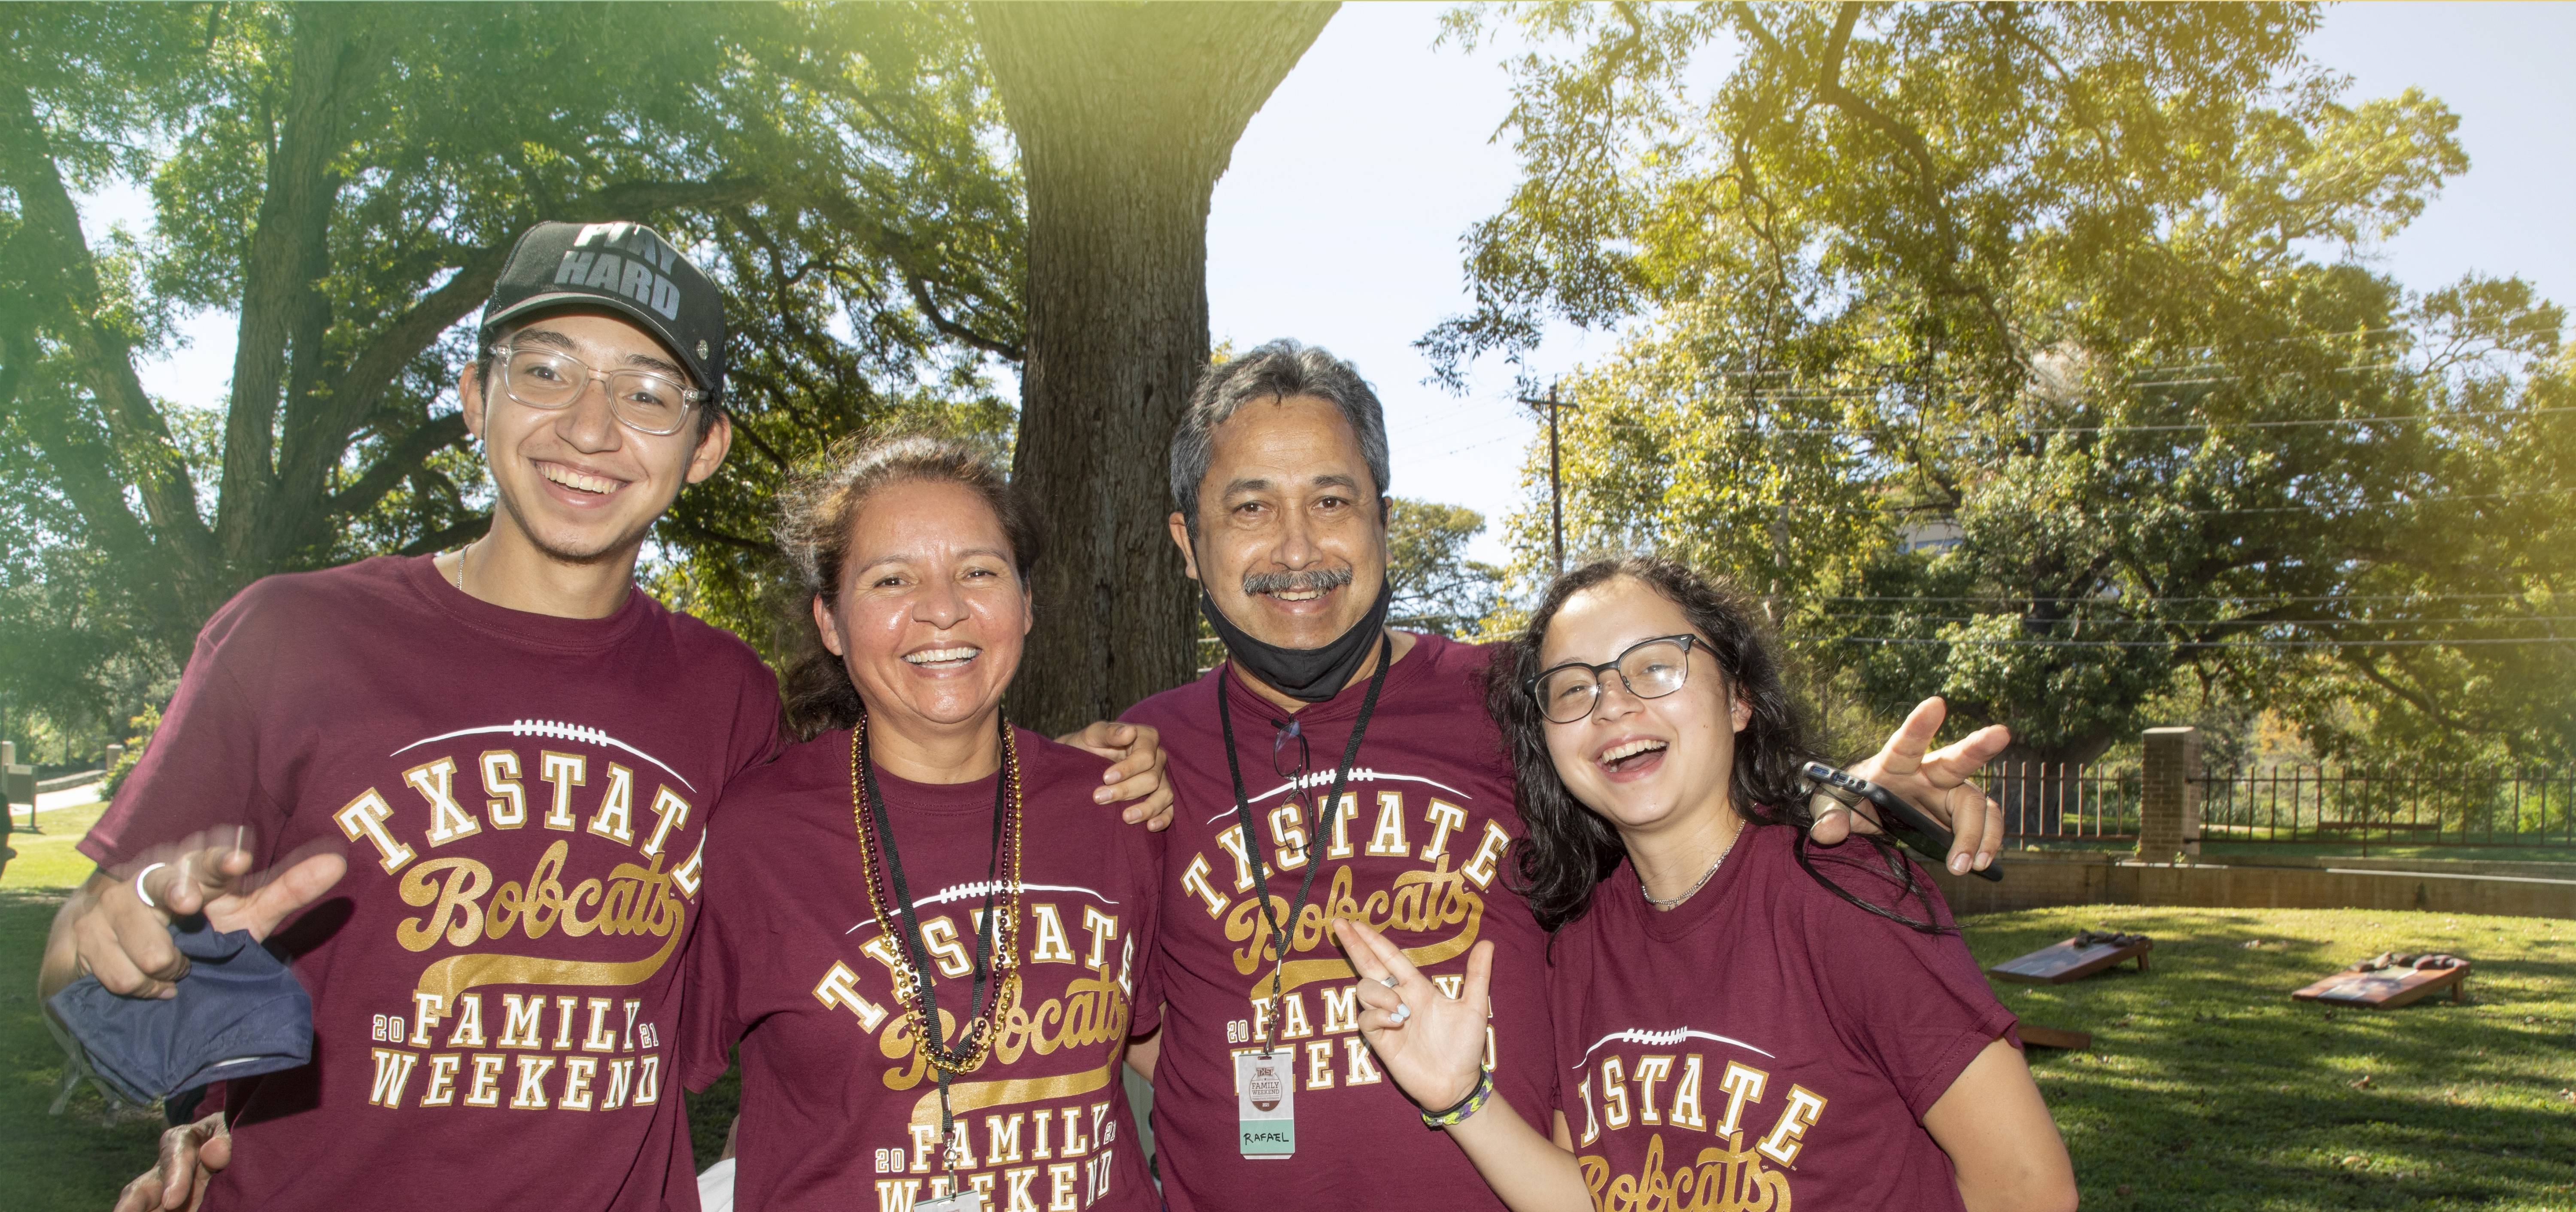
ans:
(2319, 507)
(1472, 445)
(2242, 597)
(1436, 418)
(2237, 622)
(1899, 369)
(1997, 641)
(2177, 427)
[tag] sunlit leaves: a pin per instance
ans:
(2068, 289)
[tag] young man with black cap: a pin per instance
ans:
(1265, 1094)
(512, 755)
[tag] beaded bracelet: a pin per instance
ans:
(1467, 1107)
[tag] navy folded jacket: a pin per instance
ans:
(239, 1013)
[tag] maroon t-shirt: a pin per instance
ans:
(521, 799)
(1767, 1044)
(1418, 849)
(840, 1110)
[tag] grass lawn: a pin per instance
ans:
(47, 861)
(2206, 1086)
(77, 1160)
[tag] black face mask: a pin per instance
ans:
(1312, 674)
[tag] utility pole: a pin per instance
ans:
(1555, 475)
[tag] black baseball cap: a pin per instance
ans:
(627, 268)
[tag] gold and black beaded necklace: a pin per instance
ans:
(996, 935)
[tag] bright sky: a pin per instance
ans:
(1340, 219)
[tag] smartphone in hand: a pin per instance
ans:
(1906, 822)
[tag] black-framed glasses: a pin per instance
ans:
(1650, 669)
(643, 400)
(1290, 737)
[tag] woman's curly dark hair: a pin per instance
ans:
(1570, 849)
(815, 513)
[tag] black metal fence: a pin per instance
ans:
(2309, 804)
(2047, 802)
(2060, 801)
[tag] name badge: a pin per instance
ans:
(1265, 1095)
(967, 1200)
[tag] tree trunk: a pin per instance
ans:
(1125, 116)
(278, 346)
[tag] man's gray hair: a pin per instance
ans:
(1278, 370)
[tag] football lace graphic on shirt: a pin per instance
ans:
(555, 730)
(959, 892)
(1660, 1039)
(1359, 774)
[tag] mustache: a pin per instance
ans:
(1311, 581)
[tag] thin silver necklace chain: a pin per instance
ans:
(460, 569)
(1675, 902)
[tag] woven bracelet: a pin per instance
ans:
(1467, 1107)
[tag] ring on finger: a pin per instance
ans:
(1387, 980)
(148, 902)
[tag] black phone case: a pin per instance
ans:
(1904, 820)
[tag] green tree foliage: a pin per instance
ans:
(1437, 588)
(347, 179)
(2075, 291)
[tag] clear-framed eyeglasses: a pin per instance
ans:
(1650, 669)
(645, 401)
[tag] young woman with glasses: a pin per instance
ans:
(1742, 1019)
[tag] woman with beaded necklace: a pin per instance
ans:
(1742, 1020)
(915, 860)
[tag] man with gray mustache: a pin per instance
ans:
(1297, 586)
(1347, 769)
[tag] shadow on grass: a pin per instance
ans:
(2207, 1087)
(74, 1161)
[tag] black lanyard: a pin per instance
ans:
(1314, 830)
(933, 1041)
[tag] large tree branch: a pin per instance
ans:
(940, 321)
(447, 536)
(709, 534)
(397, 463)
(2369, 668)
(63, 277)
(1926, 173)
(282, 306)
(84, 470)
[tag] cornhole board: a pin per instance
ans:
(2060, 962)
(2387, 988)
(2054, 1037)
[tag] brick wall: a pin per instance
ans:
(2169, 803)
(2038, 880)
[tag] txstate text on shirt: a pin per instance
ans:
(1439, 901)
(1711, 1108)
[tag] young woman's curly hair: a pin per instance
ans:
(1570, 849)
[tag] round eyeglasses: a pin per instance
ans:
(1650, 669)
(643, 400)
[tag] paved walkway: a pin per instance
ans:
(69, 797)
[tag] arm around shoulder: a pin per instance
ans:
(2000, 1138)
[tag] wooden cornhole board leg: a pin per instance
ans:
(2059, 963)
(2388, 988)
(2054, 1037)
